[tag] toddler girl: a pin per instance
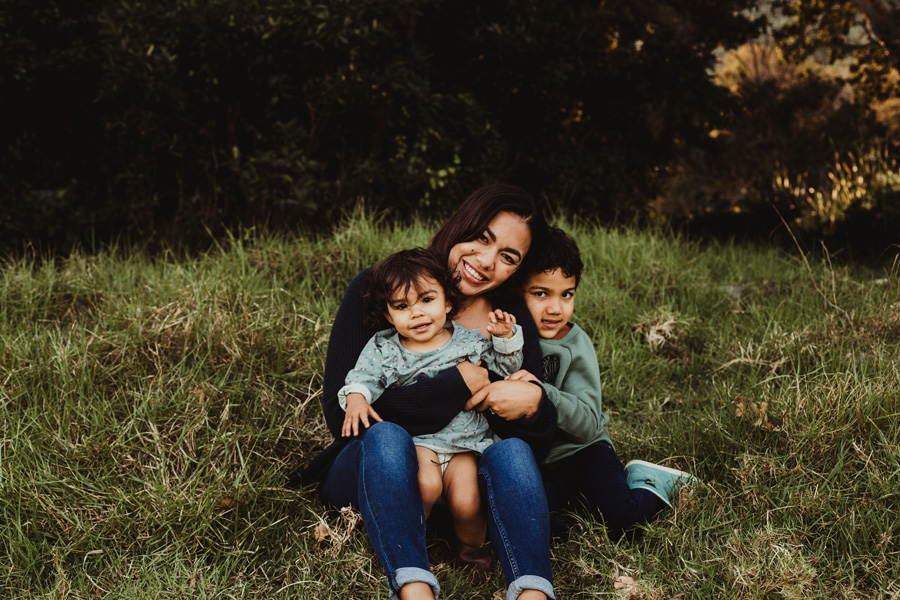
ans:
(414, 293)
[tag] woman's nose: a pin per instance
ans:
(486, 259)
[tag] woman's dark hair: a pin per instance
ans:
(561, 253)
(398, 273)
(473, 217)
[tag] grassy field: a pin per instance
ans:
(150, 407)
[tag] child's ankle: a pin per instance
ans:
(474, 534)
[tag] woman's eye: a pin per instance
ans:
(508, 259)
(483, 238)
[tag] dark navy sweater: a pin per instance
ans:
(427, 405)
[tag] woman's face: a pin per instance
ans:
(487, 261)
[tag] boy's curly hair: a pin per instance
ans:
(397, 274)
(561, 252)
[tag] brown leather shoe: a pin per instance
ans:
(475, 560)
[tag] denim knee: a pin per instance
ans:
(510, 462)
(387, 447)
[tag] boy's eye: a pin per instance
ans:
(540, 294)
(568, 295)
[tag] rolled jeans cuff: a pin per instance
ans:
(529, 582)
(405, 575)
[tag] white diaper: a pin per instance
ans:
(443, 459)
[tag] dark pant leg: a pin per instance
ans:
(559, 492)
(595, 477)
(603, 486)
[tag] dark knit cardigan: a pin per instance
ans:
(425, 406)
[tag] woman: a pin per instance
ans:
(485, 242)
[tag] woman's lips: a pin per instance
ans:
(473, 273)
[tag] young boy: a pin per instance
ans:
(582, 462)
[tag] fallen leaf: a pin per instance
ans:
(758, 413)
(321, 532)
(622, 582)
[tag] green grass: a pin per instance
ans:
(150, 406)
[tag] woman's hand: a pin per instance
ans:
(475, 376)
(510, 399)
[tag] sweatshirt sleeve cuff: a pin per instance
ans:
(353, 388)
(513, 343)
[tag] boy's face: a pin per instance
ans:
(419, 315)
(550, 298)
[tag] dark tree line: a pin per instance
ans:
(176, 118)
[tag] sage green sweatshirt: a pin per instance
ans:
(572, 379)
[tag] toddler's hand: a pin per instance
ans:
(501, 323)
(357, 410)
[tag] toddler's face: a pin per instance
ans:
(419, 316)
(550, 298)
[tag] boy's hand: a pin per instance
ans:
(501, 323)
(357, 410)
(522, 375)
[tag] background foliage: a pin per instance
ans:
(177, 118)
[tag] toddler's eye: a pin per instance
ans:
(427, 300)
(401, 306)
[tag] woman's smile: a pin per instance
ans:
(473, 272)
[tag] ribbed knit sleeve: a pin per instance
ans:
(425, 406)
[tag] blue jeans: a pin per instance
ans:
(377, 473)
(595, 476)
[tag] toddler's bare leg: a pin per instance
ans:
(461, 492)
(430, 481)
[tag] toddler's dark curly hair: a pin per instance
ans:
(399, 272)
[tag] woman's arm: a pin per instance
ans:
(423, 407)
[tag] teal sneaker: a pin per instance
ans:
(662, 481)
